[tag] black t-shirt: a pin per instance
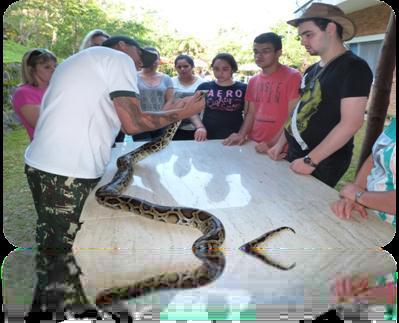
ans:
(224, 107)
(320, 108)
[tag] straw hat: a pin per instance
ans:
(330, 12)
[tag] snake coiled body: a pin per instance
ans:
(205, 248)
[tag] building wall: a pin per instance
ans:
(372, 20)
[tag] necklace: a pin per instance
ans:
(322, 64)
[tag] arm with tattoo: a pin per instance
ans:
(134, 120)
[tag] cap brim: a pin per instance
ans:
(148, 58)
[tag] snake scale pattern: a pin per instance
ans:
(206, 248)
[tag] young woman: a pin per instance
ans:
(94, 37)
(38, 66)
(156, 90)
(225, 101)
(184, 85)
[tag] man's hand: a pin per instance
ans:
(343, 208)
(299, 167)
(262, 148)
(234, 139)
(194, 102)
(277, 152)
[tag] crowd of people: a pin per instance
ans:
(103, 93)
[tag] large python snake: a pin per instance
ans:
(206, 248)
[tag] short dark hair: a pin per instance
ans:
(186, 58)
(322, 24)
(114, 40)
(228, 58)
(152, 49)
(271, 38)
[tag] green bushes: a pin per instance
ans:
(11, 79)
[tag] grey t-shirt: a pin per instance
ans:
(182, 91)
(152, 98)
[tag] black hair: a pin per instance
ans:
(185, 57)
(228, 58)
(322, 24)
(114, 40)
(152, 49)
(271, 38)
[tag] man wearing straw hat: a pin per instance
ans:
(334, 94)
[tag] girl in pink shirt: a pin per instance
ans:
(37, 67)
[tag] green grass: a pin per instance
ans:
(350, 174)
(19, 221)
(13, 52)
(19, 215)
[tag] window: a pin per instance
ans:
(368, 48)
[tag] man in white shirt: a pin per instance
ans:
(92, 95)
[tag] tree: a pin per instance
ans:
(294, 54)
(60, 25)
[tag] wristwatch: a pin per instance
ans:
(358, 195)
(308, 161)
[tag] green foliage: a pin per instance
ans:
(294, 54)
(60, 25)
(11, 77)
(231, 40)
(13, 52)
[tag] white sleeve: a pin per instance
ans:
(122, 76)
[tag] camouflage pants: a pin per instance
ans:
(58, 201)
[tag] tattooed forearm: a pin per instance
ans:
(139, 121)
(161, 119)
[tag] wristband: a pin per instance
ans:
(358, 195)
(199, 128)
(308, 161)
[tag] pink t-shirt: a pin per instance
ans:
(271, 94)
(26, 95)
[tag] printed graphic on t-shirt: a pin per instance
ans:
(265, 93)
(225, 100)
(310, 101)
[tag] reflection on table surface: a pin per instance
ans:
(248, 192)
(247, 287)
(126, 263)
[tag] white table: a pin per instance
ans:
(251, 195)
(248, 192)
